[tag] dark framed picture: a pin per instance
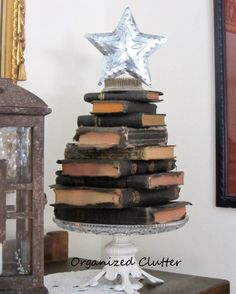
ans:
(225, 73)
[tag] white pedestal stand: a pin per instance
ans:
(121, 265)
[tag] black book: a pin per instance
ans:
(119, 106)
(132, 120)
(170, 212)
(141, 96)
(99, 182)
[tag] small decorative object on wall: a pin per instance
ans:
(12, 39)
(225, 60)
(21, 190)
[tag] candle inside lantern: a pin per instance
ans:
(0, 258)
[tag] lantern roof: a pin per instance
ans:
(16, 100)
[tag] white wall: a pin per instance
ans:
(62, 66)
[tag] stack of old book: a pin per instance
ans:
(119, 168)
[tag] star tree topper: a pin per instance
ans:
(126, 50)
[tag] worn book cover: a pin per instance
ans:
(172, 211)
(115, 198)
(143, 96)
(73, 151)
(121, 137)
(113, 168)
(106, 107)
(153, 181)
(145, 181)
(132, 120)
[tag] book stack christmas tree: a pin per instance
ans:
(119, 168)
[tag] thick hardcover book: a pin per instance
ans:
(132, 120)
(114, 168)
(114, 198)
(141, 96)
(170, 212)
(98, 182)
(73, 151)
(106, 107)
(121, 137)
(151, 181)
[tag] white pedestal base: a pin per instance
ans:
(122, 267)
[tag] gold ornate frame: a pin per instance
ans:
(12, 39)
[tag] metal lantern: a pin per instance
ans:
(22, 198)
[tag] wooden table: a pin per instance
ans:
(174, 283)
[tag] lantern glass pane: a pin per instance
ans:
(15, 147)
(17, 247)
(19, 201)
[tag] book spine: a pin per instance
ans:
(128, 107)
(130, 137)
(133, 120)
(139, 107)
(125, 168)
(108, 216)
(152, 166)
(135, 182)
(104, 216)
(142, 183)
(88, 120)
(73, 151)
(126, 198)
(132, 167)
(142, 198)
(143, 137)
(144, 96)
(99, 182)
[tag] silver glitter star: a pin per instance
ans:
(126, 50)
